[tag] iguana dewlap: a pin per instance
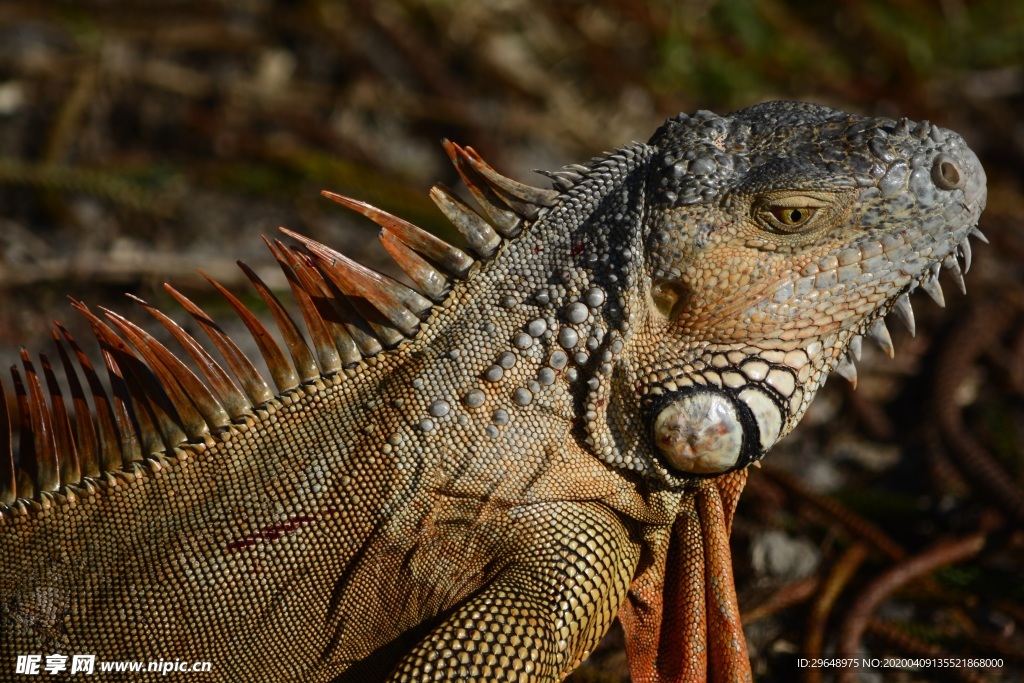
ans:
(471, 479)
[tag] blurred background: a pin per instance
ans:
(142, 140)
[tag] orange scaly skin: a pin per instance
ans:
(469, 480)
(673, 621)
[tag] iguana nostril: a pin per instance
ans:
(946, 174)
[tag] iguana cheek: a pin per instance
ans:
(710, 431)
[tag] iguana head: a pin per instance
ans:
(777, 237)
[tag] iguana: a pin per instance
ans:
(470, 479)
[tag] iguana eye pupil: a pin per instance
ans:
(792, 216)
(787, 219)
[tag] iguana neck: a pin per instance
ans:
(539, 332)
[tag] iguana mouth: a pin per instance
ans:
(900, 305)
(947, 176)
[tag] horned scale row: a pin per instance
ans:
(157, 403)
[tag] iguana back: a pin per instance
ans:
(471, 479)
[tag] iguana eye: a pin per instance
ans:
(792, 216)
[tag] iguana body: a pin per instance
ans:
(559, 442)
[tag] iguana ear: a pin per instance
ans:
(673, 607)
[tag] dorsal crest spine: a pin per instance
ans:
(156, 402)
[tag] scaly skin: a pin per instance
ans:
(562, 441)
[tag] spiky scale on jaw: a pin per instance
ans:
(500, 449)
